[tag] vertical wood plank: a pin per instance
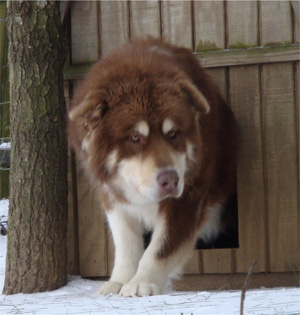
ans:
(92, 231)
(145, 18)
(296, 20)
(242, 24)
(281, 160)
(281, 145)
(297, 105)
(244, 94)
(246, 105)
(276, 22)
(177, 22)
(84, 37)
(216, 261)
(209, 25)
(114, 24)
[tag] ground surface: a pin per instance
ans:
(78, 298)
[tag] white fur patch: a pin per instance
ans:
(85, 144)
(142, 128)
(179, 164)
(190, 151)
(128, 239)
(137, 179)
(161, 51)
(167, 125)
(112, 160)
(153, 275)
(212, 226)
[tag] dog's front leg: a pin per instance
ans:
(128, 240)
(154, 270)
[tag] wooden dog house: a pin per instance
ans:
(251, 49)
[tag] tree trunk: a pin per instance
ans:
(36, 253)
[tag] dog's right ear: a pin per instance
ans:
(89, 112)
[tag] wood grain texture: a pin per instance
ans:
(218, 59)
(244, 98)
(297, 104)
(251, 56)
(242, 24)
(145, 18)
(216, 261)
(92, 242)
(114, 24)
(85, 32)
(177, 22)
(296, 20)
(193, 265)
(275, 22)
(212, 282)
(281, 162)
(209, 25)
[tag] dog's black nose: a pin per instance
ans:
(168, 181)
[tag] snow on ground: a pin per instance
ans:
(78, 297)
(5, 146)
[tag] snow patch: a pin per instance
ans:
(5, 146)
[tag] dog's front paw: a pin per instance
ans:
(110, 287)
(139, 289)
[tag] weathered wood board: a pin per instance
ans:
(145, 18)
(281, 166)
(114, 24)
(177, 22)
(85, 31)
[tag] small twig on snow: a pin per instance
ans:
(244, 289)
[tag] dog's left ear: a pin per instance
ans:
(89, 112)
(198, 100)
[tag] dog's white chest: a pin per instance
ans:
(146, 214)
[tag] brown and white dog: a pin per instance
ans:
(153, 132)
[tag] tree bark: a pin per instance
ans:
(36, 253)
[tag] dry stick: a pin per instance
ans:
(245, 286)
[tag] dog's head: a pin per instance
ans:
(140, 130)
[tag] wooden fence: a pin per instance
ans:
(251, 49)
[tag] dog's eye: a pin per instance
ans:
(135, 138)
(172, 134)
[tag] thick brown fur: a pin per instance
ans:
(152, 80)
